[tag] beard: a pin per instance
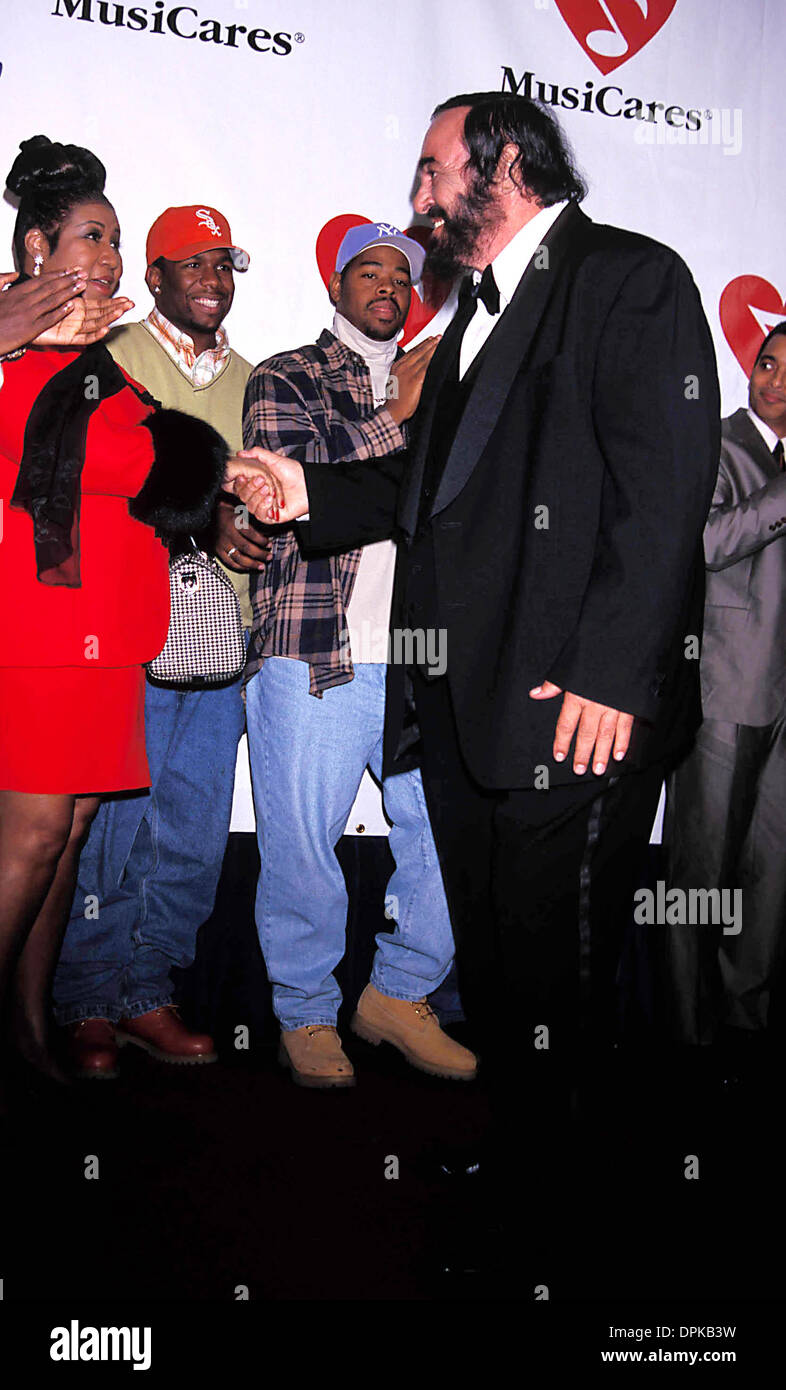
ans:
(383, 332)
(454, 250)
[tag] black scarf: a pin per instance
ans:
(49, 482)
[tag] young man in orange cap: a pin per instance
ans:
(149, 871)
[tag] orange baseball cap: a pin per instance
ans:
(182, 232)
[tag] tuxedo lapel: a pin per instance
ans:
(445, 357)
(504, 353)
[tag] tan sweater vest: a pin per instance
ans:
(220, 403)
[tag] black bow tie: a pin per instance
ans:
(486, 291)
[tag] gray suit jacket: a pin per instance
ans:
(743, 659)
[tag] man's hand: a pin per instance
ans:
(407, 380)
(272, 486)
(241, 548)
(596, 727)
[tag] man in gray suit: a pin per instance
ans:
(726, 806)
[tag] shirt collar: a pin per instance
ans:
(511, 262)
(180, 346)
(769, 436)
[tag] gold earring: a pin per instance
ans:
(38, 261)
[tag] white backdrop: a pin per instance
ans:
(286, 113)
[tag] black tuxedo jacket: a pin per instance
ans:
(563, 540)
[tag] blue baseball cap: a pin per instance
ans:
(367, 234)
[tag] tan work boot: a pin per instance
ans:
(412, 1027)
(315, 1056)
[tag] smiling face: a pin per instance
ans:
(195, 295)
(462, 208)
(443, 175)
(767, 392)
(374, 292)
(88, 239)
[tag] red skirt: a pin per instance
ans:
(66, 729)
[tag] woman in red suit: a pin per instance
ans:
(86, 473)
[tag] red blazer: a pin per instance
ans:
(120, 615)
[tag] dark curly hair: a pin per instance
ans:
(49, 180)
(778, 331)
(544, 165)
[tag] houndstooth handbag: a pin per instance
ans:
(205, 644)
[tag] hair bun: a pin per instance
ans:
(40, 162)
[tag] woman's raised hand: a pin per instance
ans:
(88, 321)
(49, 310)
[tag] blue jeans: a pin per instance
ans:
(150, 868)
(307, 760)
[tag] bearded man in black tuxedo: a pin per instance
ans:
(551, 506)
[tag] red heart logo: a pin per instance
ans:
(749, 308)
(611, 31)
(421, 310)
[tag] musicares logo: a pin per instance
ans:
(749, 307)
(608, 101)
(181, 20)
(611, 38)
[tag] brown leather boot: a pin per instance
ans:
(164, 1035)
(412, 1027)
(315, 1056)
(91, 1049)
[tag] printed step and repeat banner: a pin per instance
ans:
(287, 114)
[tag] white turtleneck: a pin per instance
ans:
(378, 357)
(368, 611)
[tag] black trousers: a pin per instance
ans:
(540, 886)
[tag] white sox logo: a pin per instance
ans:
(208, 221)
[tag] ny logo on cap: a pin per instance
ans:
(384, 229)
(208, 221)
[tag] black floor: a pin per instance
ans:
(217, 1177)
(659, 1193)
(188, 1182)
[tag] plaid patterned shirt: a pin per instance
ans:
(180, 347)
(317, 405)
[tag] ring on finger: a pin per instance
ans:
(231, 552)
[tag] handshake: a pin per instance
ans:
(272, 486)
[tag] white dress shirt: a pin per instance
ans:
(508, 268)
(769, 436)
